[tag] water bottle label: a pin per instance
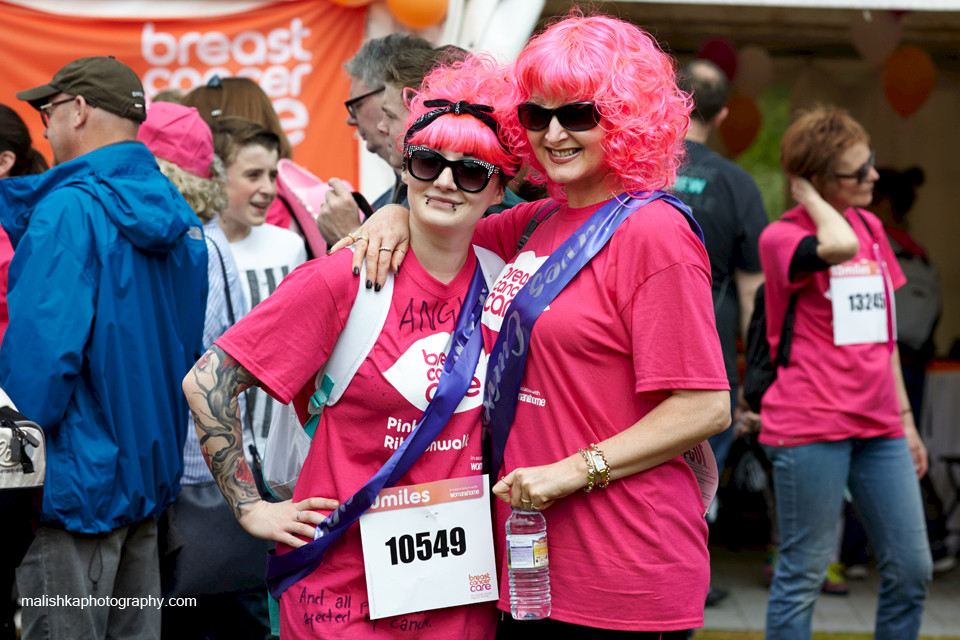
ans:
(527, 551)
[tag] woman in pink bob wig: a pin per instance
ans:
(468, 80)
(623, 371)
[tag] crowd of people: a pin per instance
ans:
(163, 308)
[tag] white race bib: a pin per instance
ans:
(859, 302)
(429, 546)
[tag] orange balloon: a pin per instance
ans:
(418, 14)
(909, 76)
(742, 124)
(351, 3)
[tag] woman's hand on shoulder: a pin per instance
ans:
(540, 487)
(284, 521)
(388, 228)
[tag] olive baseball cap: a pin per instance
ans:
(104, 82)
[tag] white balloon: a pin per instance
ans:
(875, 35)
(754, 70)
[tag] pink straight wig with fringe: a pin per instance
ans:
(478, 79)
(621, 69)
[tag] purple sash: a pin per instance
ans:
(507, 361)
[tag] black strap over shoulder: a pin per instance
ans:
(786, 333)
(538, 218)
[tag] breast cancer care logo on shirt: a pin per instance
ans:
(416, 372)
(508, 285)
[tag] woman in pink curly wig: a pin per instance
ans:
(455, 167)
(591, 409)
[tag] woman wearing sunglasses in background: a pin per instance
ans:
(455, 167)
(838, 415)
(624, 371)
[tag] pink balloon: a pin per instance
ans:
(875, 39)
(722, 52)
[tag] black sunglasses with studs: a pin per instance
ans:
(469, 174)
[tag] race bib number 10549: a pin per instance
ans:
(429, 546)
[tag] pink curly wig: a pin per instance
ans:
(478, 79)
(621, 69)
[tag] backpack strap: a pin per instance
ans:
(363, 327)
(490, 263)
(538, 218)
(786, 333)
(360, 333)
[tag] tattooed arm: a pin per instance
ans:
(212, 387)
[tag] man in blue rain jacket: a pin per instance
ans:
(107, 289)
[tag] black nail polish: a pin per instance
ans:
(356, 271)
(377, 287)
(369, 284)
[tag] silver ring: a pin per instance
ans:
(386, 249)
(298, 516)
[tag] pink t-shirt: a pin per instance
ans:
(636, 321)
(826, 392)
(282, 342)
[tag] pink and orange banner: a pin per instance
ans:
(294, 50)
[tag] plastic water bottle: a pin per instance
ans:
(528, 561)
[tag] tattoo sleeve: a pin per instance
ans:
(212, 387)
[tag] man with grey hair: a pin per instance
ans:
(107, 292)
(368, 71)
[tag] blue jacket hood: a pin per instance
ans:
(127, 190)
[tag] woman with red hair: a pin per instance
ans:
(622, 371)
(837, 418)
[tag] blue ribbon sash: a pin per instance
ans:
(454, 382)
(508, 359)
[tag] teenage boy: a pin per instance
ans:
(264, 253)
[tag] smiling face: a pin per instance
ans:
(573, 159)
(251, 187)
(439, 207)
(846, 192)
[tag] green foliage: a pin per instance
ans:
(762, 159)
